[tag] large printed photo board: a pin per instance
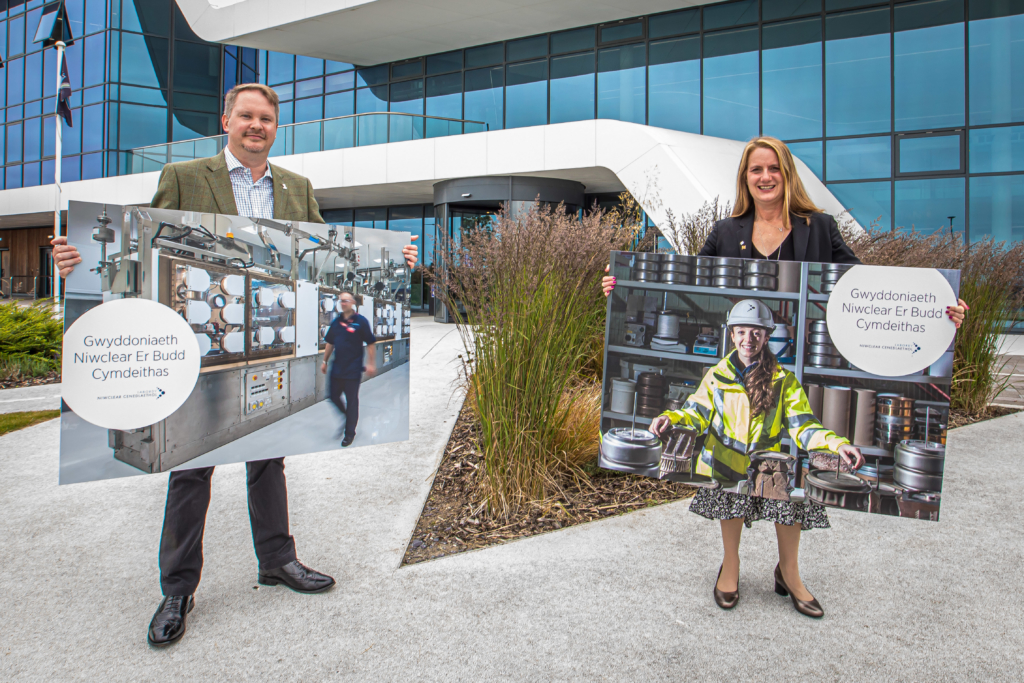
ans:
(871, 349)
(197, 339)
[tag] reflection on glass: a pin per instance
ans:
(147, 126)
(314, 86)
(996, 150)
(375, 218)
(930, 154)
(407, 97)
(527, 94)
(791, 79)
(925, 205)
(14, 142)
(571, 41)
(997, 208)
(731, 106)
(194, 69)
(810, 154)
(526, 48)
(783, 9)
(857, 79)
(730, 14)
(572, 88)
(442, 63)
(929, 64)
(870, 204)
(444, 99)
(144, 60)
(858, 158)
(996, 64)
(280, 68)
(15, 81)
(372, 130)
(484, 94)
(308, 67)
(484, 55)
(674, 23)
(674, 76)
(342, 81)
(621, 87)
(33, 140)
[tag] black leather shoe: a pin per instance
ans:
(726, 599)
(168, 624)
(296, 576)
(811, 608)
(347, 441)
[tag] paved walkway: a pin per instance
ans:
(45, 397)
(628, 598)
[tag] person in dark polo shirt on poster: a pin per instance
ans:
(346, 337)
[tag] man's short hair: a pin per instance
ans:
(269, 93)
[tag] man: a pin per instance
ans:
(238, 181)
(347, 334)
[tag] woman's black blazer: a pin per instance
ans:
(819, 242)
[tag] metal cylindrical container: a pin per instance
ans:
(637, 447)
(646, 276)
(676, 268)
(922, 456)
(819, 338)
(765, 283)
(835, 412)
(668, 324)
(818, 327)
(727, 271)
(678, 258)
(624, 368)
(704, 261)
(822, 350)
(623, 392)
(903, 420)
(817, 361)
(652, 379)
(647, 265)
(649, 256)
(762, 268)
(728, 261)
(864, 418)
(675, 278)
(789, 276)
(917, 480)
(894, 404)
(726, 282)
(815, 396)
(650, 390)
(702, 281)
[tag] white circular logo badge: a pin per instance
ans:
(128, 363)
(891, 321)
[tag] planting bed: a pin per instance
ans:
(15, 383)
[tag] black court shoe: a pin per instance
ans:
(726, 599)
(809, 607)
(296, 576)
(168, 624)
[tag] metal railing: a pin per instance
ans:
(19, 286)
(341, 132)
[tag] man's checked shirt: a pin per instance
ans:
(252, 199)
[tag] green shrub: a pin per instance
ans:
(30, 340)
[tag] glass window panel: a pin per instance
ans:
(731, 102)
(339, 104)
(70, 169)
(311, 109)
(34, 109)
(870, 204)
(16, 42)
(632, 30)
(730, 14)
(314, 86)
(442, 63)
(674, 78)
(188, 125)
(308, 67)
(14, 142)
(3, 37)
(287, 110)
(857, 73)
(342, 81)
(929, 64)
(71, 138)
(196, 68)
(674, 24)
(527, 94)
(335, 67)
(406, 218)
(148, 126)
(50, 71)
(372, 76)
(931, 153)
(32, 22)
(114, 57)
(47, 166)
(337, 216)
(376, 218)
(996, 150)
(144, 61)
(526, 48)
(996, 68)
(791, 79)
(74, 57)
(12, 177)
(33, 76)
(925, 205)
(429, 237)
(92, 166)
(572, 88)
(621, 83)
(146, 16)
(182, 31)
(810, 154)
(407, 70)
(571, 41)
(444, 98)
(95, 59)
(285, 91)
(485, 55)
(280, 68)
(372, 130)
(858, 158)
(484, 96)
(31, 172)
(837, 5)
(95, 16)
(997, 208)
(143, 95)
(230, 71)
(15, 81)
(205, 103)
(407, 97)
(784, 9)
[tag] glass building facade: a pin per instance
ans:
(911, 112)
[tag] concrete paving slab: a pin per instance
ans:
(44, 397)
(627, 598)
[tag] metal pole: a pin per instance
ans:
(58, 122)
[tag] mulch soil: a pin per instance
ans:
(452, 520)
(51, 378)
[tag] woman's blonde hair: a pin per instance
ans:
(794, 196)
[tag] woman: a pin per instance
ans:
(773, 217)
(743, 404)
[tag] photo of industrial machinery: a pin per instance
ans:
(666, 329)
(258, 294)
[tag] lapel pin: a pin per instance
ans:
(742, 245)
(283, 186)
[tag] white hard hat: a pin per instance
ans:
(753, 313)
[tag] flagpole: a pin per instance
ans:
(58, 125)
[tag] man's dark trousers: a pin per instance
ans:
(349, 387)
(188, 497)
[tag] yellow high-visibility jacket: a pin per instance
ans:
(720, 408)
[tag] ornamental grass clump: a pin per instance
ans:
(525, 292)
(30, 340)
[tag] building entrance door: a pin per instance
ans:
(44, 284)
(5, 274)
